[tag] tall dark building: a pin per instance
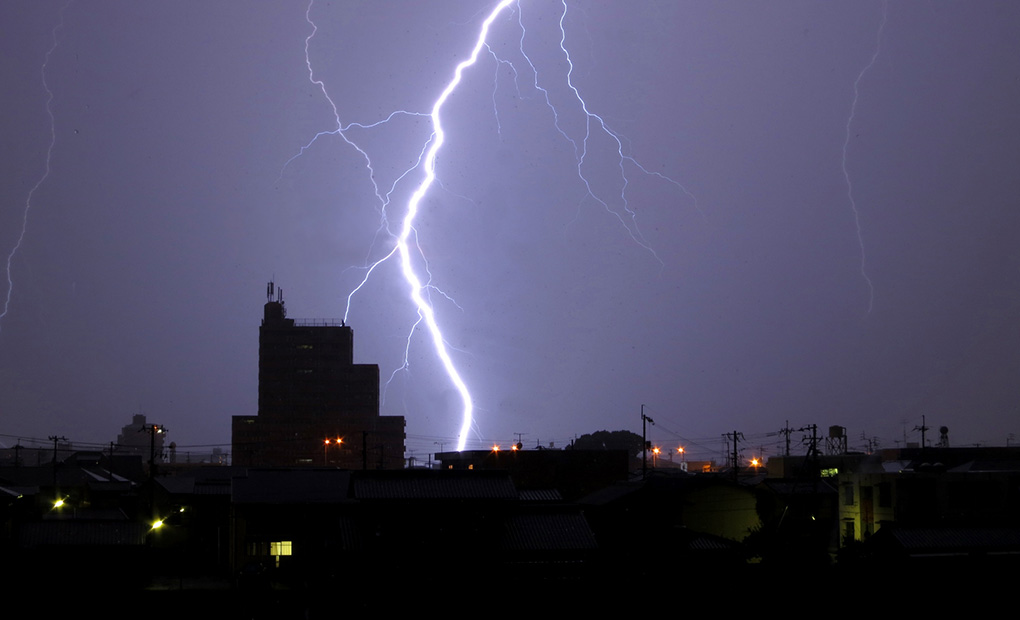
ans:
(316, 406)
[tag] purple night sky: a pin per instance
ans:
(139, 283)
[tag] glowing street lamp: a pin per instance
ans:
(325, 446)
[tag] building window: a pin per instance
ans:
(848, 495)
(282, 547)
(848, 532)
(257, 549)
(885, 495)
(279, 549)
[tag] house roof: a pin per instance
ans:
(82, 533)
(291, 486)
(920, 541)
(547, 532)
(434, 485)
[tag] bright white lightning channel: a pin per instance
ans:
(419, 290)
(846, 146)
(49, 157)
(402, 242)
(425, 308)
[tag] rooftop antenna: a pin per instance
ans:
(269, 291)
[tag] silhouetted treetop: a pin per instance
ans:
(610, 440)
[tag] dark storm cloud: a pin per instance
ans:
(138, 286)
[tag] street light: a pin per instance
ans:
(655, 457)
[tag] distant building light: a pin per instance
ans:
(283, 547)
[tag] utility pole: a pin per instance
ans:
(922, 428)
(786, 430)
(812, 455)
(644, 442)
(54, 439)
(110, 470)
(153, 430)
(735, 436)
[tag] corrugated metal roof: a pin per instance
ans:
(84, 533)
(704, 542)
(548, 532)
(541, 495)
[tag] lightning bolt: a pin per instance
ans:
(581, 151)
(49, 156)
(846, 146)
(404, 236)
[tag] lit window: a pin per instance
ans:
(280, 548)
